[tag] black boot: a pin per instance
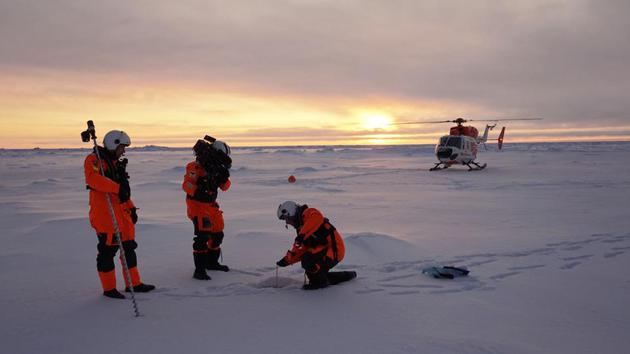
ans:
(141, 288)
(339, 277)
(316, 281)
(114, 294)
(213, 261)
(201, 260)
(201, 274)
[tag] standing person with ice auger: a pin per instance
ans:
(106, 178)
(318, 245)
(204, 176)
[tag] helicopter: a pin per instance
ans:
(460, 147)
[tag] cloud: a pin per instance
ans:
(565, 60)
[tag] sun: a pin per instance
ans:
(376, 121)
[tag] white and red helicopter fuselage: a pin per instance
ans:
(461, 145)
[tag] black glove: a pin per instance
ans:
(202, 193)
(282, 263)
(202, 188)
(222, 176)
(124, 192)
(134, 215)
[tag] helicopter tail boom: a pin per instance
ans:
(484, 138)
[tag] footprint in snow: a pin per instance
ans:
(528, 267)
(478, 263)
(586, 256)
(368, 291)
(399, 277)
(572, 248)
(613, 254)
(412, 286)
(470, 287)
(614, 240)
(504, 275)
(405, 292)
(570, 265)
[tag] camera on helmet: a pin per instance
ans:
(209, 157)
(89, 133)
(215, 162)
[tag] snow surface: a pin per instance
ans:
(545, 231)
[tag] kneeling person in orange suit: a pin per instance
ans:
(115, 183)
(318, 245)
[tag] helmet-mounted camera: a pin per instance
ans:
(211, 151)
(89, 133)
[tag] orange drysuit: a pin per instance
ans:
(202, 208)
(316, 237)
(99, 186)
(101, 220)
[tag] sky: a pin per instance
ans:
(297, 72)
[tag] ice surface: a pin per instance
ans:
(544, 230)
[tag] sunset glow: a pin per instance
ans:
(184, 69)
(376, 121)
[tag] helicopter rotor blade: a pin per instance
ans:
(502, 120)
(430, 122)
(461, 120)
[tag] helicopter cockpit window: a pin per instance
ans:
(453, 141)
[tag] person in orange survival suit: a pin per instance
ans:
(318, 245)
(115, 183)
(204, 176)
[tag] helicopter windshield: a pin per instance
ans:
(453, 141)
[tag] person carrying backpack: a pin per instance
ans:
(204, 177)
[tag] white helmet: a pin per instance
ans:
(287, 210)
(115, 138)
(221, 146)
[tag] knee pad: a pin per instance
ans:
(315, 269)
(200, 243)
(130, 254)
(216, 239)
(129, 245)
(105, 257)
(310, 263)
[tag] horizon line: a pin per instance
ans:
(315, 145)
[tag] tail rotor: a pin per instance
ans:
(500, 139)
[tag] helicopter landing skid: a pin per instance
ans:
(477, 166)
(440, 166)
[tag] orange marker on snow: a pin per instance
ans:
(292, 179)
